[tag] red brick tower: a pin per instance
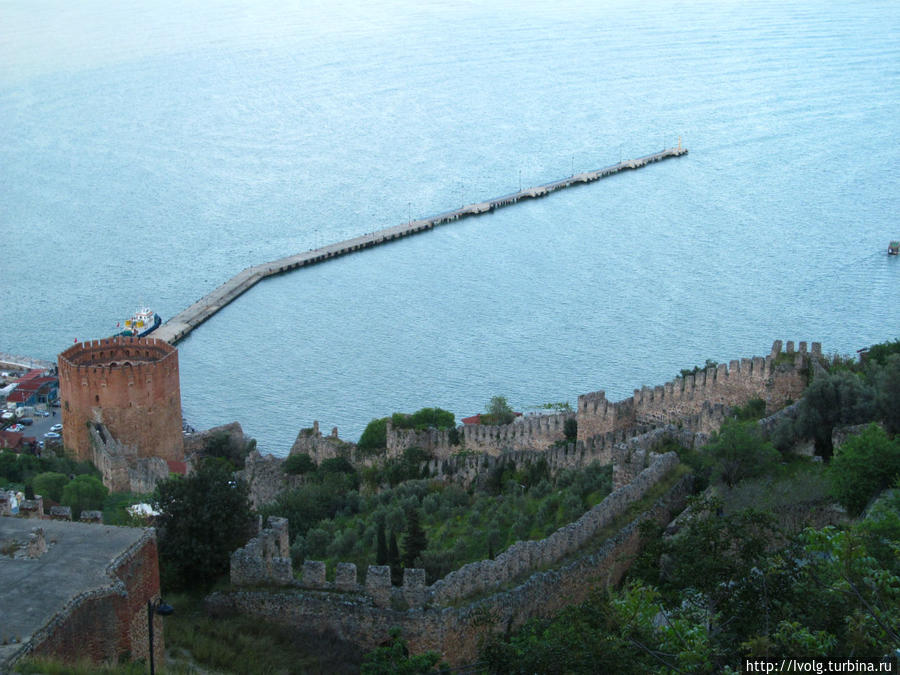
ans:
(131, 385)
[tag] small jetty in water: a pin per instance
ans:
(180, 325)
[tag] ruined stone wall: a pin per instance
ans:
(365, 615)
(266, 478)
(121, 467)
(129, 384)
(435, 441)
(105, 624)
(319, 447)
(776, 378)
(266, 559)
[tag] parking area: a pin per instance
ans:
(41, 424)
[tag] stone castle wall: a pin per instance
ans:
(265, 476)
(699, 402)
(364, 614)
(266, 559)
(131, 385)
(435, 441)
(466, 468)
(777, 379)
(526, 556)
(122, 469)
(537, 432)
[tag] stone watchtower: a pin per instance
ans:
(130, 386)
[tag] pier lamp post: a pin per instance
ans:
(155, 607)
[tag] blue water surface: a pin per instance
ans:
(149, 151)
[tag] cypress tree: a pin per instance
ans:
(394, 560)
(381, 554)
(415, 541)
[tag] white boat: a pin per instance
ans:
(144, 321)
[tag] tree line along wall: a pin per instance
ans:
(131, 385)
(776, 379)
(266, 558)
(438, 617)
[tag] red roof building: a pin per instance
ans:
(34, 387)
(12, 440)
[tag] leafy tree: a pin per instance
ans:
(299, 464)
(833, 399)
(415, 542)
(738, 451)
(731, 544)
(887, 393)
(50, 484)
(83, 493)
(499, 411)
(880, 353)
(424, 419)
(374, 436)
(336, 465)
(863, 466)
(228, 447)
(323, 497)
(204, 518)
(394, 659)
(754, 409)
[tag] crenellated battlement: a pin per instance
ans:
(536, 432)
(776, 378)
(116, 352)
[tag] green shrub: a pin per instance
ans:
(754, 409)
(374, 437)
(50, 484)
(299, 464)
(84, 493)
(425, 418)
(738, 451)
(863, 466)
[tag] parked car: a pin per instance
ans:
(42, 413)
(16, 428)
(51, 435)
(27, 421)
(56, 427)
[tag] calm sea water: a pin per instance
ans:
(149, 151)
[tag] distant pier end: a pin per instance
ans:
(180, 325)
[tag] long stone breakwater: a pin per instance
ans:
(179, 326)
